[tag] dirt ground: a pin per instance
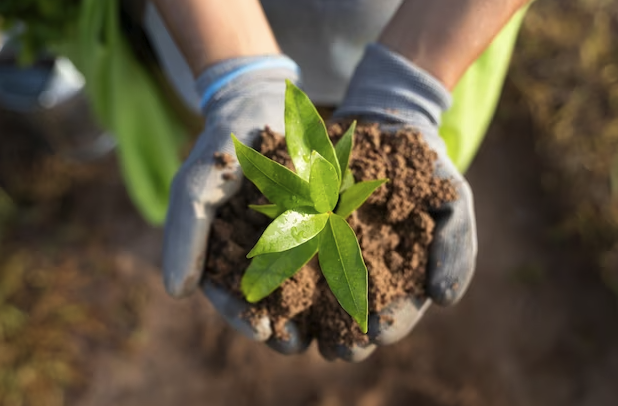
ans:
(537, 327)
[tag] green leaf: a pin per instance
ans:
(348, 180)
(305, 132)
(269, 210)
(268, 271)
(344, 269)
(323, 183)
(290, 230)
(343, 149)
(355, 196)
(279, 184)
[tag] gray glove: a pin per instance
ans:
(241, 96)
(386, 88)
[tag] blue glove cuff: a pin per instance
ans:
(389, 88)
(217, 77)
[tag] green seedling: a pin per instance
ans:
(308, 209)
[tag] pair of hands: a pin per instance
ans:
(242, 96)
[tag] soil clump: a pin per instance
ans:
(394, 228)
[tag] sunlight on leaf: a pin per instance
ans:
(305, 132)
(290, 230)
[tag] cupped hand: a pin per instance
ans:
(240, 96)
(388, 89)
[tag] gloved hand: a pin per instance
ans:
(240, 95)
(386, 88)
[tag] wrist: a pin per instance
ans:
(388, 88)
(244, 75)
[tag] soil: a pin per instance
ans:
(394, 228)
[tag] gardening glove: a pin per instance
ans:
(239, 96)
(388, 89)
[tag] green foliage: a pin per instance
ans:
(125, 95)
(279, 184)
(305, 132)
(289, 230)
(268, 271)
(323, 183)
(269, 210)
(352, 198)
(340, 259)
(43, 23)
(302, 206)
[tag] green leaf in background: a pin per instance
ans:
(344, 269)
(305, 132)
(268, 271)
(269, 210)
(323, 183)
(355, 196)
(128, 102)
(289, 230)
(347, 181)
(343, 149)
(279, 184)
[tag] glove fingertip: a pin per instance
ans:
(295, 342)
(450, 288)
(185, 288)
(397, 320)
(354, 353)
(232, 309)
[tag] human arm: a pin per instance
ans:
(444, 37)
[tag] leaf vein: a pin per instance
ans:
(344, 269)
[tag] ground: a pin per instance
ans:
(538, 325)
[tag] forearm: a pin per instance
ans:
(208, 32)
(444, 37)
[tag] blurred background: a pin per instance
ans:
(84, 319)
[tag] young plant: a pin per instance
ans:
(308, 209)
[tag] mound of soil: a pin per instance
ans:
(394, 229)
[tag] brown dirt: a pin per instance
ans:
(394, 229)
(223, 160)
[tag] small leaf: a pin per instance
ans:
(323, 183)
(268, 271)
(343, 267)
(343, 149)
(355, 196)
(279, 184)
(305, 132)
(348, 181)
(269, 210)
(290, 230)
